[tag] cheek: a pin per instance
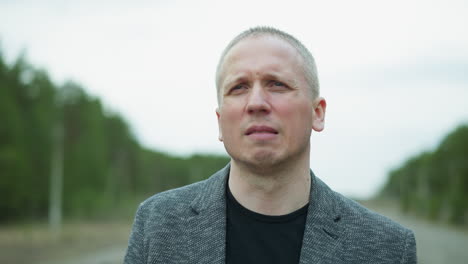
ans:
(298, 119)
(232, 111)
(291, 110)
(229, 120)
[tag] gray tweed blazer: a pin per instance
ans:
(188, 225)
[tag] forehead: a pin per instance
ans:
(262, 53)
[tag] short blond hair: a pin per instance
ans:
(309, 67)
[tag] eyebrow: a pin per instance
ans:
(241, 77)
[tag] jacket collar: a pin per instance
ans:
(213, 194)
(207, 238)
(323, 231)
(208, 225)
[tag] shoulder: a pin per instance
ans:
(359, 217)
(364, 235)
(161, 221)
(171, 203)
(193, 197)
(352, 214)
(180, 203)
(368, 231)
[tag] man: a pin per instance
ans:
(266, 206)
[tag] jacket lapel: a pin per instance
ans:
(207, 225)
(323, 232)
(207, 238)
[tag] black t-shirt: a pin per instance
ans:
(257, 238)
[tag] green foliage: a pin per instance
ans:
(435, 184)
(104, 166)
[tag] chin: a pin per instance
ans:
(264, 157)
(261, 162)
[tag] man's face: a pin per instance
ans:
(266, 112)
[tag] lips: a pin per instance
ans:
(260, 130)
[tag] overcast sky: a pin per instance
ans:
(394, 73)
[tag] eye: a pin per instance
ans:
(237, 89)
(278, 86)
(276, 83)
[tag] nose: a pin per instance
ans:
(258, 101)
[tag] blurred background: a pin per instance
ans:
(105, 103)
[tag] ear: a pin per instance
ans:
(220, 134)
(318, 121)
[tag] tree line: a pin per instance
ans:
(434, 184)
(45, 126)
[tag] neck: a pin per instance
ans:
(276, 191)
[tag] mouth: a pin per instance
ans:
(260, 130)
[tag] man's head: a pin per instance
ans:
(267, 108)
(309, 68)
